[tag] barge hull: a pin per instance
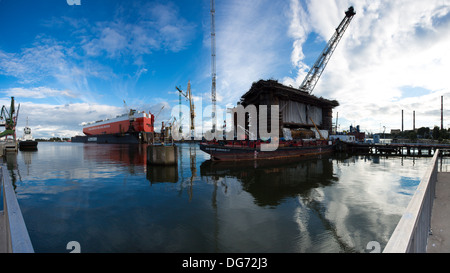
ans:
(226, 153)
(28, 145)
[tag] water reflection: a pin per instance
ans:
(162, 174)
(339, 203)
(108, 198)
(11, 166)
(271, 182)
(128, 155)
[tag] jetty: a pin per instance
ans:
(424, 226)
(403, 149)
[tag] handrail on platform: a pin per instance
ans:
(411, 233)
(17, 238)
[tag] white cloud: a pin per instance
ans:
(38, 92)
(248, 38)
(158, 27)
(388, 46)
(47, 120)
(298, 30)
(49, 61)
(111, 39)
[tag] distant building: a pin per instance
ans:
(355, 131)
(395, 131)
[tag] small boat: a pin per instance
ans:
(27, 142)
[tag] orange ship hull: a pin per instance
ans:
(138, 122)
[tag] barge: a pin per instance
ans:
(251, 150)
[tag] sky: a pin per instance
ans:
(69, 64)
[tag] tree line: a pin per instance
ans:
(438, 134)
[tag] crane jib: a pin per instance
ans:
(317, 69)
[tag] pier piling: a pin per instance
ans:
(400, 149)
(162, 154)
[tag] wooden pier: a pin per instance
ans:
(402, 149)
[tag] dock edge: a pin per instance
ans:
(411, 233)
(17, 238)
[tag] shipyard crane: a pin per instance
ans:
(213, 66)
(315, 72)
(159, 111)
(188, 96)
(9, 119)
(125, 106)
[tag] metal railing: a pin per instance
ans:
(16, 235)
(411, 233)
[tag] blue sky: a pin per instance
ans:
(69, 64)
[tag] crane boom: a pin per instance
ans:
(188, 96)
(315, 72)
(213, 66)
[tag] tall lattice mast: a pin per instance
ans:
(213, 66)
(315, 72)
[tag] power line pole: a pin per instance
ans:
(442, 112)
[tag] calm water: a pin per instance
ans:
(106, 198)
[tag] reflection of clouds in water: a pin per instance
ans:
(63, 167)
(314, 205)
(368, 197)
(340, 205)
(243, 224)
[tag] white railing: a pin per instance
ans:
(411, 233)
(16, 239)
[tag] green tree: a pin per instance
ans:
(412, 136)
(436, 132)
(423, 132)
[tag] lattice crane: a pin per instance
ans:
(315, 72)
(9, 120)
(188, 96)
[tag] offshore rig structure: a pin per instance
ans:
(299, 109)
(304, 121)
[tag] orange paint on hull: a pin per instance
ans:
(141, 124)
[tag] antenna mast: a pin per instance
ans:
(213, 66)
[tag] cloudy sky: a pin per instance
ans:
(70, 64)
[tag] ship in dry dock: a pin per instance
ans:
(132, 127)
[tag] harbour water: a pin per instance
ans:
(106, 198)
